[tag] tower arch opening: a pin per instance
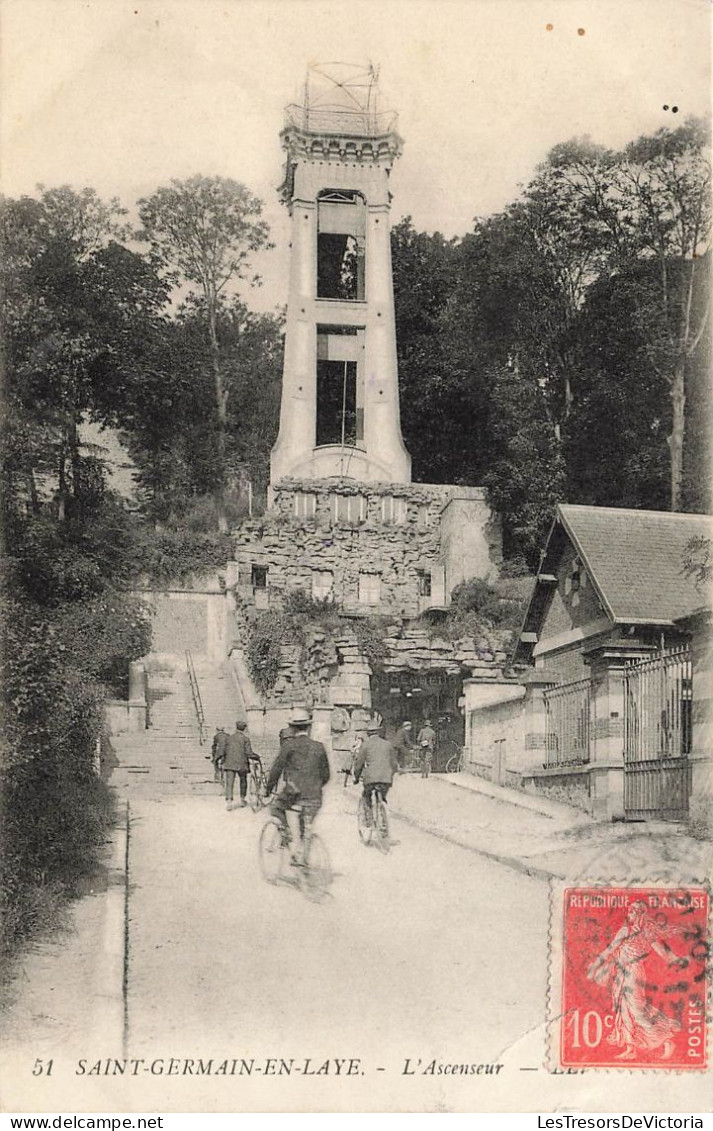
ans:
(341, 245)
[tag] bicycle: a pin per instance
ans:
(456, 760)
(312, 873)
(257, 787)
(373, 821)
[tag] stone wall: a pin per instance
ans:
(386, 556)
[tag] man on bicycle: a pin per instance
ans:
(305, 767)
(377, 762)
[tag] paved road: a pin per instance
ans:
(430, 954)
(412, 956)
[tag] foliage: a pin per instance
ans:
(370, 633)
(202, 232)
(526, 477)
(560, 349)
(479, 611)
(266, 635)
(75, 304)
(178, 554)
(698, 560)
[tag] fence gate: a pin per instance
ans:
(657, 736)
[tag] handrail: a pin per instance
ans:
(197, 703)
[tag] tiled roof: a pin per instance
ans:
(635, 559)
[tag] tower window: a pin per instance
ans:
(340, 385)
(341, 240)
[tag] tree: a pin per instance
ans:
(526, 476)
(649, 203)
(78, 307)
(441, 398)
(203, 232)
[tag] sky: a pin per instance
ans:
(124, 96)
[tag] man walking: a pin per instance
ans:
(427, 744)
(403, 745)
(217, 751)
(236, 760)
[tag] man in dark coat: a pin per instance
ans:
(427, 745)
(305, 767)
(403, 745)
(376, 761)
(217, 751)
(238, 753)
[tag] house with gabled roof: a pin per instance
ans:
(611, 709)
(609, 574)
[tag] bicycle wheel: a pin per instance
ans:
(254, 800)
(455, 761)
(364, 820)
(316, 873)
(272, 852)
(381, 822)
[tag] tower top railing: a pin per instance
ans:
(355, 123)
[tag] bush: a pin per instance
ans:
(56, 811)
(266, 636)
(478, 611)
(370, 637)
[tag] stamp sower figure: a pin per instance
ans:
(377, 763)
(217, 751)
(622, 965)
(305, 767)
(403, 745)
(426, 742)
(238, 752)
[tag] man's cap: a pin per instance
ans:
(372, 726)
(407, 724)
(427, 722)
(300, 717)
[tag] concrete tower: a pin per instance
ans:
(340, 399)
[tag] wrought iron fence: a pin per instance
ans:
(658, 735)
(568, 717)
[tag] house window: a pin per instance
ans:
(424, 582)
(341, 242)
(423, 514)
(305, 505)
(322, 584)
(349, 508)
(258, 577)
(393, 510)
(369, 588)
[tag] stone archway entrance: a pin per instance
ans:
(420, 695)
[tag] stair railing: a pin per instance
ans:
(197, 702)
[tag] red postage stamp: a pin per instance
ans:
(634, 977)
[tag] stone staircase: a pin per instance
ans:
(168, 758)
